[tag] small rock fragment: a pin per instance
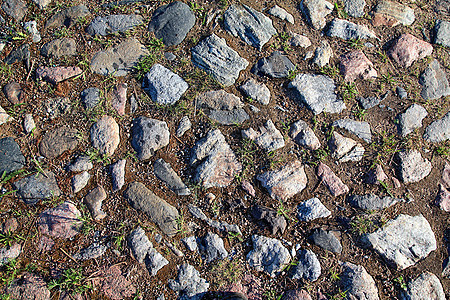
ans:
(165, 173)
(62, 221)
(354, 8)
(331, 181)
(312, 209)
(191, 243)
(298, 40)
(268, 137)
(434, 82)
(57, 74)
(10, 226)
(268, 255)
(28, 286)
(94, 250)
(315, 12)
(281, 13)
(223, 107)
(407, 48)
(105, 135)
(345, 149)
(257, 91)
(148, 136)
(439, 130)
(9, 253)
(113, 284)
(154, 261)
(81, 163)
(139, 244)
(298, 295)
(79, 181)
(443, 199)
(14, 93)
(411, 119)
(413, 167)
(94, 200)
(376, 175)
(401, 93)
(223, 226)
(11, 157)
(189, 283)
(360, 129)
(323, 54)
(67, 17)
(303, 135)
(372, 202)
(355, 65)
(20, 54)
(442, 33)
(119, 98)
(113, 24)
(349, 31)
(276, 222)
(16, 9)
(117, 171)
(425, 286)
(326, 240)
(214, 247)
(90, 97)
(37, 186)
(391, 14)
(185, 125)
(28, 123)
(358, 283)
(308, 266)
(274, 66)
(446, 269)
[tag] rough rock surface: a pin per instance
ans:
(11, 158)
(94, 201)
(268, 255)
(391, 13)
(354, 8)
(90, 97)
(281, 13)
(79, 181)
(119, 98)
(349, 31)
(326, 240)
(442, 33)
(323, 54)
(67, 17)
(185, 125)
(139, 244)
(413, 167)
(308, 266)
(276, 65)
(331, 181)
(94, 250)
(57, 74)
(9, 253)
(4, 117)
(14, 92)
(16, 9)
(359, 128)
(59, 48)
(434, 82)
(113, 283)
(105, 135)
(80, 164)
(406, 49)
(117, 171)
(372, 202)
(298, 40)
(220, 225)
(303, 135)
(411, 119)
(425, 286)
(62, 221)
(443, 199)
(315, 12)
(214, 247)
(276, 222)
(358, 283)
(268, 137)
(113, 23)
(148, 136)
(312, 209)
(28, 286)
(189, 283)
(439, 130)
(19, 54)
(37, 186)
(222, 107)
(164, 172)
(257, 91)
(356, 65)
(345, 149)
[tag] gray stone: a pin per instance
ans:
(105, 135)
(392, 13)
(317, 92)
(191, 243)
(172, 22)
(401, 92)
(57, 107)
(442, 7)
(113, 23)
(326, 240)
(119, 60)
(274, 66)
(268, 137)
(345, 149)
(154, 261)
(268, 255)
(16, 9)
(94, 200)
(322, 54)
(369, 102)
(164, 86)
(55, 75)
(169, 56)
(358, 283)
(214, 247)
(331, 181)
(28, 286)
(94, 250)
(442, 33)
(372, 202)
(312, 209)
(37, 186)
(224, 108)
(59, 48)
(9, 253)
(285, 182)
(425, 286)
(117, 171)
(63, 221)
(434, 82)
(349, 31)
(31, 28)
(315, 12)
(68, 17)
(439, 130)
(157, 209)
(189, 284)
(11, 158)
(411, 119)
(165, 173)
(42, 3)
(303, 135)
(80, 164)
(79, 181)
(90, 97)
(19, 54)
(359, 128)
(251, 26)
(185, 125)
(28, 123)
(148, 136)
(354, 8)
(276, 222)
(139, 244)
(220, 225)
(413, 167)
(446, 268)
(257, 91)
(281, 13)
(403, 241)
(298, 40)
(216, 58)
(134, 104)
(308, 266)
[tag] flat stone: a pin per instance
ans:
(355, 65)
(59, 48)
(14, 93)
(164, 86)
(224, 108)
(105, 135)
(424, 286)
(104, 25)
(268, 137)
(119, 60)
(42, 3)
(139, 244)
(276, 222)
(359, 128)
(148, 136)
(9, 253)
(375, 175)
(434, 82)
(391, 14)
(67, 17)
(281, 13)
(94, 200)
(21, 53)
(117, 171)
(323, 54)
(252, 26)
(57, 107)
(298, 40)
(315, 12)
(403, 241)
(285, 182)
(172, 22)
(349, 31)
(37, 186)
(413, 167)
(57, 74)
(119, 98)
(268, 255)
(11, 158)
(411, 119)
(79, 181)
(156, 209)
(303, 135)
(372, 202)
(16, 9)
(326, 240)
(443, 199)
(165, 173)
(80, 164)
(191, 243)
(318, 93)
(220, 225)
(274, 66)
(308, 266)
(331, 181)
(312, 209)
(439, 130)
(345, 149)
(358, 283)
(354, 8)
(406, 49)
(442, 33)
(113, 284)
(155, 261)
(185, 125)
(217, 164)
(94, 250)
(214, 247)
(216, 58)
(28, 286)
(256, 91)
(90, 97)
(62, 221)
(189, 284)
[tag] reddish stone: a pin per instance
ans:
(10, 225)
(391, 14)
(296, 295)
(248, 187)
(332, 182)
(446, 176)
(56, 74)
(119, 98)
(376, 175)
(356, 65)
(396, 183)
(407, 49)
(443, 199)
(45, 244)
(113, 284)
(29, 286)
(62, 221)
(14, 93)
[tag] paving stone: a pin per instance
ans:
(360, 129)
(67, 17)
(105, 135)
(323, 54)
(442, 33)
(19, 54)
(391, 14)
(28, 286)
(16, 9)
(308, 266)
(354, 8)
(268, 137)
(268, 255)
(222, 107)
(443, 199)
(315, 12)
(345, 149)
(79, 181)
(298, 40)
(57, 107)
(104, 25)
(317, 92)
(80, 164)
(94, 250)
(326, 240)
(62, 221)
(14, 93)
(9, 253)
(94, 200)
(119, 98)
(139, 244)
(164, 86)
(189, 284)
(148, 136)
(331, 181)
(117, 171)
(42, 3)
(59, 48)
(403, 241)
(119, 60)
(37, 186)
(312, 209)
(172, 22)
(165, 173)
(185, 125)
(156, 209)
(439, 130)
(413, 167)
(274, 66)
(220, 225)
(154, 261)
(256, 91)
(11, 158)
(303, 135)
(355, 65)
(285, 182)
(55, 75)
(358, 283)
(349, 31)
(251, 26)
(406, 49)
(281, 13)
(434, 82)
(28, 123)
(214, 247)
(216, 58)
(31, 28)
(424, 286)
(276, 222)
(113, 284)
(411, 119)
(90, 97)
(372, 202)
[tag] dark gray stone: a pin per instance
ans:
(308, 266)
(274, 66)
(59, 48)
(11, 158)
(372, 202)
(37, 186)
(349, 31)
(359, 128)
(214, 247)
(16, 9)
(434, 82)
(439, 130)
(189, 283)
(148, 136)
(90, 97)
(326, 240)
(113, 23)
(369, 102)
(268, 255)
(165, 173)
(68, 17)
(224, 108)
(354, 8)
(401, 93)
(20, 54)
(442, 33)
(276, 222)
(358, 283)
(94, 250)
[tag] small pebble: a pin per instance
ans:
(28, 123)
